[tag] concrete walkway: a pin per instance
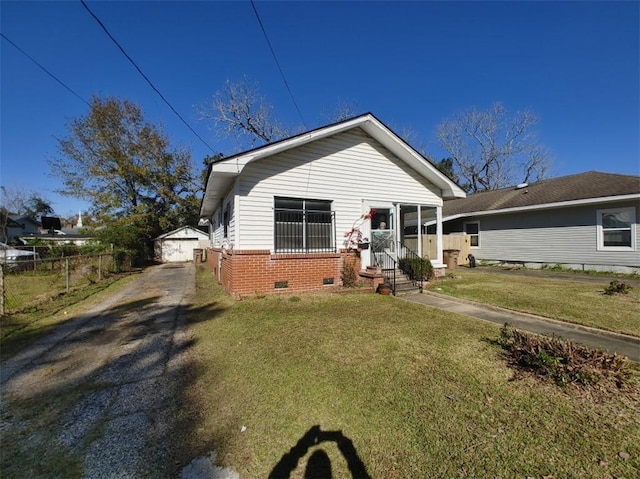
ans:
(628, 346)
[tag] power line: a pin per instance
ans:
(273, 53)
(144, 76)
(44, 69)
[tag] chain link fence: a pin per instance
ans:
(27, 281)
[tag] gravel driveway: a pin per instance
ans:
(123, 365)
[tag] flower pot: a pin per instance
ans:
(385, 289)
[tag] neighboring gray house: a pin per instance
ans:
(585, 221)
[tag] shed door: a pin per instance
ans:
(177, 250)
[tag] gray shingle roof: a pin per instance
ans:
(591, 184)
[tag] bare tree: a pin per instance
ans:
(492, 149)
(239, 111)
(344, 110)
(14, 199)
(20, 201)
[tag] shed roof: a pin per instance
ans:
(590, 186)
(191, 230)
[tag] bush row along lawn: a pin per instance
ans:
(572, 301)
(420, 392)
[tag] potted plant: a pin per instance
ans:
(385, 289)
(364, 244)
(353, 237)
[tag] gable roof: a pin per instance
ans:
(10, 222)
(191, 230)
(582, 188)
(223, 172)
(26, 219)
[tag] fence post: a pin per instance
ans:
(100, 267)
(35, 263)
(66, 272)
(1, 290)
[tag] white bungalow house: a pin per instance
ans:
(278, 214)
(586, 221)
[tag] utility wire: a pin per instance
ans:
(43, 68)
(143, 75)
(273, 53)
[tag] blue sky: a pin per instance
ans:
(412, 64)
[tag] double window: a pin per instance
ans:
(615, 228)
(303, 225)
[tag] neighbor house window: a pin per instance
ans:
(615, 228)
(303, 225)
(473, 231)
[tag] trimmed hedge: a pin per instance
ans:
(413, 267)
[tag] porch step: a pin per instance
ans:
(403, 284)
(405, 287)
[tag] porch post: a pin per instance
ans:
(395, 224)
(419, 219)
(439, 233)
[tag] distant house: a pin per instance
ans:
(28, 225)
(583, 221)
(178, 245)
(278, 214)
(11, 229)
(64, 236)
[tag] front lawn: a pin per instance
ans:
(568, 300)
(419, 392)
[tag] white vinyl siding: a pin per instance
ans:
(347, 168)
(559, 236)
(221, 235)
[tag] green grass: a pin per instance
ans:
(421, 393)
(19, 329)
(576, 302)
(29, 288)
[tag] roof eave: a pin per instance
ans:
(546, 206)
(218, 185)
(222, 173)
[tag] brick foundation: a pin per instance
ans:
(247, 272)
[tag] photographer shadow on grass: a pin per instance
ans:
(319, 464)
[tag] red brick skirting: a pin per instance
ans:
(249, 272)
